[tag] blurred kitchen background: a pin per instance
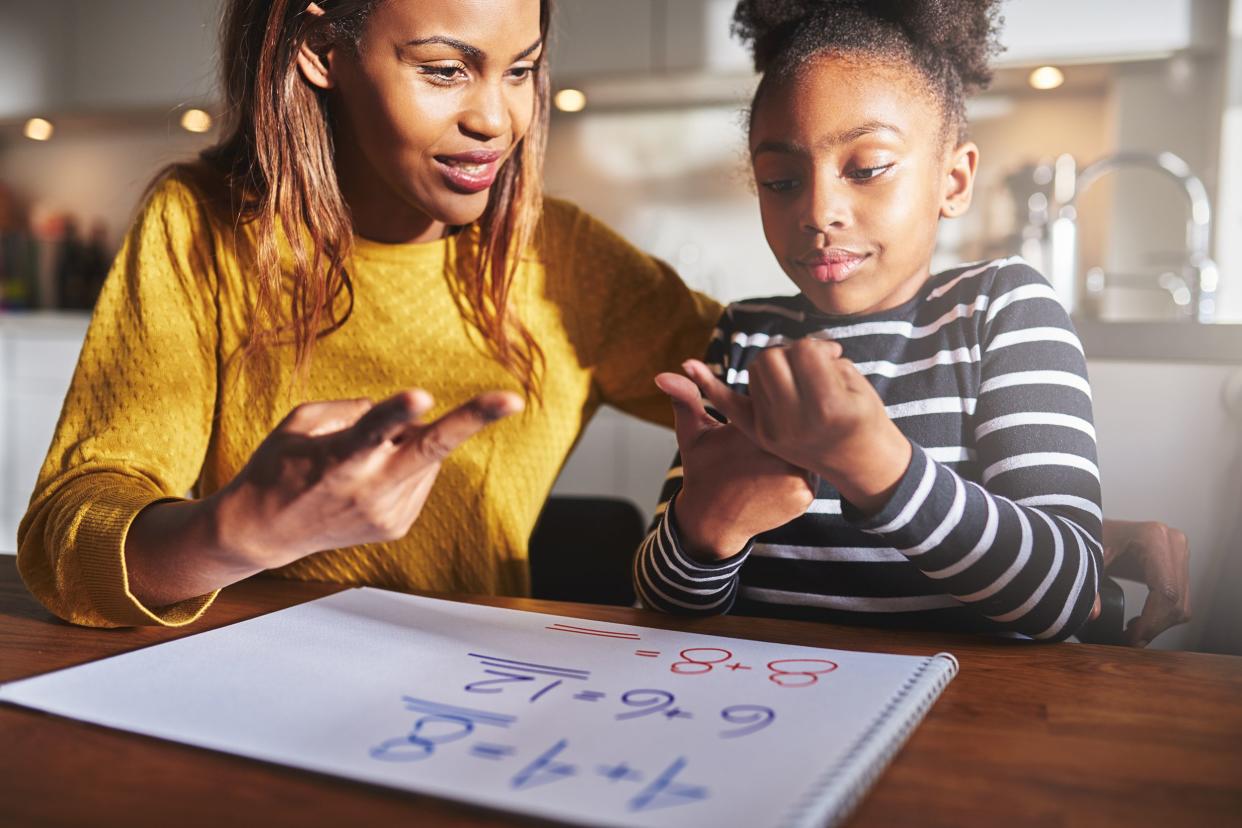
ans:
(1111, 157)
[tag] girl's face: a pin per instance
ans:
(427, 109)
(853, 176)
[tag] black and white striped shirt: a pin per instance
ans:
(996, 524)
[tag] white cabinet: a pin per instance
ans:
(639, 37)
(591, 37)
(38, 353)
(32, 37)
(633, 38)
(84, 55)
(1037, 31)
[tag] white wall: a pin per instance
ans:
(677, 183)
(1170, 443)
(1229, 177)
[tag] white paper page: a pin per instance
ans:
(576, 720)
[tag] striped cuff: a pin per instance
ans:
(910, 495)
(670, 580)
(713, 569)
(99, 540)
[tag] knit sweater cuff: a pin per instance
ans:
(908, 497)
(100, 541)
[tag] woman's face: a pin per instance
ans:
(428, 108)
(853, 176)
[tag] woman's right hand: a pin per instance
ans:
(731, 489)
(332, 474)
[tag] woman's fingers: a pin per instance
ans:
(736, 408)
(1167, 569)
(436, 440)
(385, 421)
(316, 418)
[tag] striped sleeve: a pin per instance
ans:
(1023, 545)
(665, 577)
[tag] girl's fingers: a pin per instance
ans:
(436, 440)
(829, 348)
(690, 418)
(734, 406)
(773, 384)
(817, 365)
(385, 421)
(682, 391)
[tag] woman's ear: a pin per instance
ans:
(960, 180)
(316, 66)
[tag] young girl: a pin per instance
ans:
(901, 447)
(372, 221)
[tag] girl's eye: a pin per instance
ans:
(780, 185)
(443, 74)
(521, 73)
(867, 173)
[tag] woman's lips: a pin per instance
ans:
(833, 264)
(470, 172)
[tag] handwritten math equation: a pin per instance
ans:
(440, 726)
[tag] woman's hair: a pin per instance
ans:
(949, 42)
(276, 161)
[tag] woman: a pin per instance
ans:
(372, 222)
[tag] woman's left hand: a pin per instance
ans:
(811, 407)
(1159, 556)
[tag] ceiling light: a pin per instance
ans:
(38, 129)
(195, 120)
(570, 100)
(1046, 77)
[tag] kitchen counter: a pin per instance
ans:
(1164, 341)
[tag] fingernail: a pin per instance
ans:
(500, 410)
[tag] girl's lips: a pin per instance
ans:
(469, 172)
(832, 265)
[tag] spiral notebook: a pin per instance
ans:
(573, 720)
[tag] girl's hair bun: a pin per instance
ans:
(961, 34)
(951, 41)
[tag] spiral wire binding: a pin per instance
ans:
(822, 805)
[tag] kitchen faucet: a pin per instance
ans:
(1062, 263)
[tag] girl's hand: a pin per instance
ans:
(811, 407)
(343, 473)
(732, 490)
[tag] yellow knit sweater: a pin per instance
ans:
(160, 404)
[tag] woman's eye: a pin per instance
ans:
(443, 74)
(521, 73)
(867, 173)
(779, 185)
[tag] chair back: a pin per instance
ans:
(582, 549)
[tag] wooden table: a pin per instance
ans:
(1040, 735)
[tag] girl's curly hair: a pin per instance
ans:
(950, 42)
